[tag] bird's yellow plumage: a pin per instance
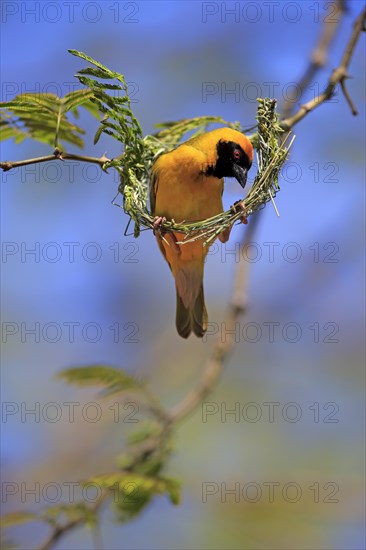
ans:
(187, 185)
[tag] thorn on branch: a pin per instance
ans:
(104, 158)
(58, 154)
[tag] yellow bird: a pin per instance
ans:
(187, 185)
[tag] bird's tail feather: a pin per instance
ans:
(191, 319)
(191, 311)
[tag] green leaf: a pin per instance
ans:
(172, 133)
(8, 131)
(86, 81)
(131, 492)
(98, 133)
(43, 117)
(89, 59)
(110, 125)
(145, 431)
(47, 101)
(99, 73)
(113, 380)
(173, 489)
(75, 99)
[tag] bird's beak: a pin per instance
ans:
(240, 174)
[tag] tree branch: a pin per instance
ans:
(319, 55)
(57, 155)
(59, 531)
(338, 76)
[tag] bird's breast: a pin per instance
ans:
(184, 193)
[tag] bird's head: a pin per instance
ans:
(230, 154)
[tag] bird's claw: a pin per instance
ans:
(236, 207)
(168, 236)
(158, 222)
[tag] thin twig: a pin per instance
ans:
(59, 531)
(57, 155)
(319, 55)
(338, 76)
(348, 97)
(9, 165)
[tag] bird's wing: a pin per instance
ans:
(154, 182)
(160, 244)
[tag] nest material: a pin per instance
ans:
(271, 154)
(134, 165)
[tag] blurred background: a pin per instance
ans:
(293, 449)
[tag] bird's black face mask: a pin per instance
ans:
(232, 162)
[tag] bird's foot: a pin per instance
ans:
(236, 207)
(158, 222)
(168, 237)
(224, 235)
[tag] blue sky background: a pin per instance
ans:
(169, 51)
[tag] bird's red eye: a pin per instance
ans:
(236, 154)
